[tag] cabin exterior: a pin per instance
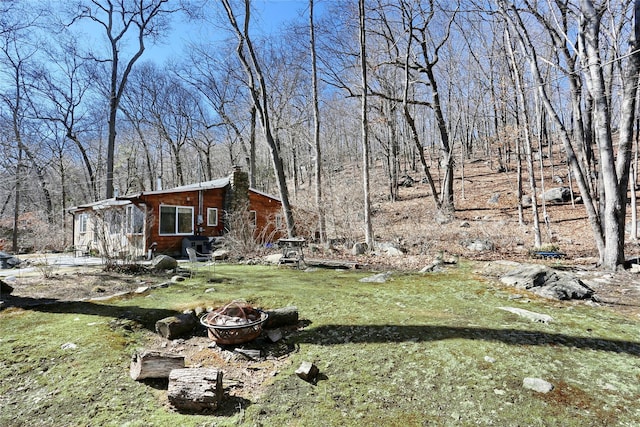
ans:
(169, 221)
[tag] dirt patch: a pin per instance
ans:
(245, 379)
(79, 283)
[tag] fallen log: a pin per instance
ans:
(176, 326)
(195, 389)
(154, 364)
(285, 316)
(335, 264)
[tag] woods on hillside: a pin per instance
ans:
(420, 87)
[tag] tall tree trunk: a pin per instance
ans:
(365, 127)
(322, 227)
(259, 94)
(521, 106)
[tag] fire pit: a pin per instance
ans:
(235, 323)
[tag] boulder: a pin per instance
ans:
(163, 262)
(359, 248)
(5, 288)
(8, 260)
(273, 258)
(390, 249)
(547, 282)
(557, 195)
(479, 245)
(220, 254)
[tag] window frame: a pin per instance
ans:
(83, 222)
(209, 223)
(176, 225)
(131, 211)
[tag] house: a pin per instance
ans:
(169, 221)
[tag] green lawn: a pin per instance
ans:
(417, 350)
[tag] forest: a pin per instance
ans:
(406, 87)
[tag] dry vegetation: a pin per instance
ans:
(414, 224)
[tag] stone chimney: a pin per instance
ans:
(239, 189)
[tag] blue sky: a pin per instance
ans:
(268, 16)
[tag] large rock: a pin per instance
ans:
(547, 282)
(479, 245)
(359, 248)
(5, 288)
(164, 262)
(8, 261)
(557, 195)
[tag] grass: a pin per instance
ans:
(418, 350)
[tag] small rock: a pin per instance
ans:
(142, 289)
(68, 346)
(489, 359)
(376, 278)
(537, 384)
(176, 279)
(465, 224)
(209, 290)
(494, 198)
(274, 335)
(499, 392)
(307, 371)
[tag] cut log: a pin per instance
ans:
(154, 364)
(176, 326)
(195, 389)
(285, 316)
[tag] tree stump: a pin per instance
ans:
(176, 326)
(154, 364)
(282, 317)
(195, 389)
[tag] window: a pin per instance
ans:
(278, 221)
(176, 220)
(134, 220)
(83, 220)
(212, 217)
(253, 218)
(114, 219)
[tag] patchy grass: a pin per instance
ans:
(417, 350)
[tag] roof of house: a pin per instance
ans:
(124, 200)
(101, 204)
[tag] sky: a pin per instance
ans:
(268, 16)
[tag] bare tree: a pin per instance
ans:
(122, 21)
(368, 226)
(607, 223)
(259, 95)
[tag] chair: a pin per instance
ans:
(194, 260)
